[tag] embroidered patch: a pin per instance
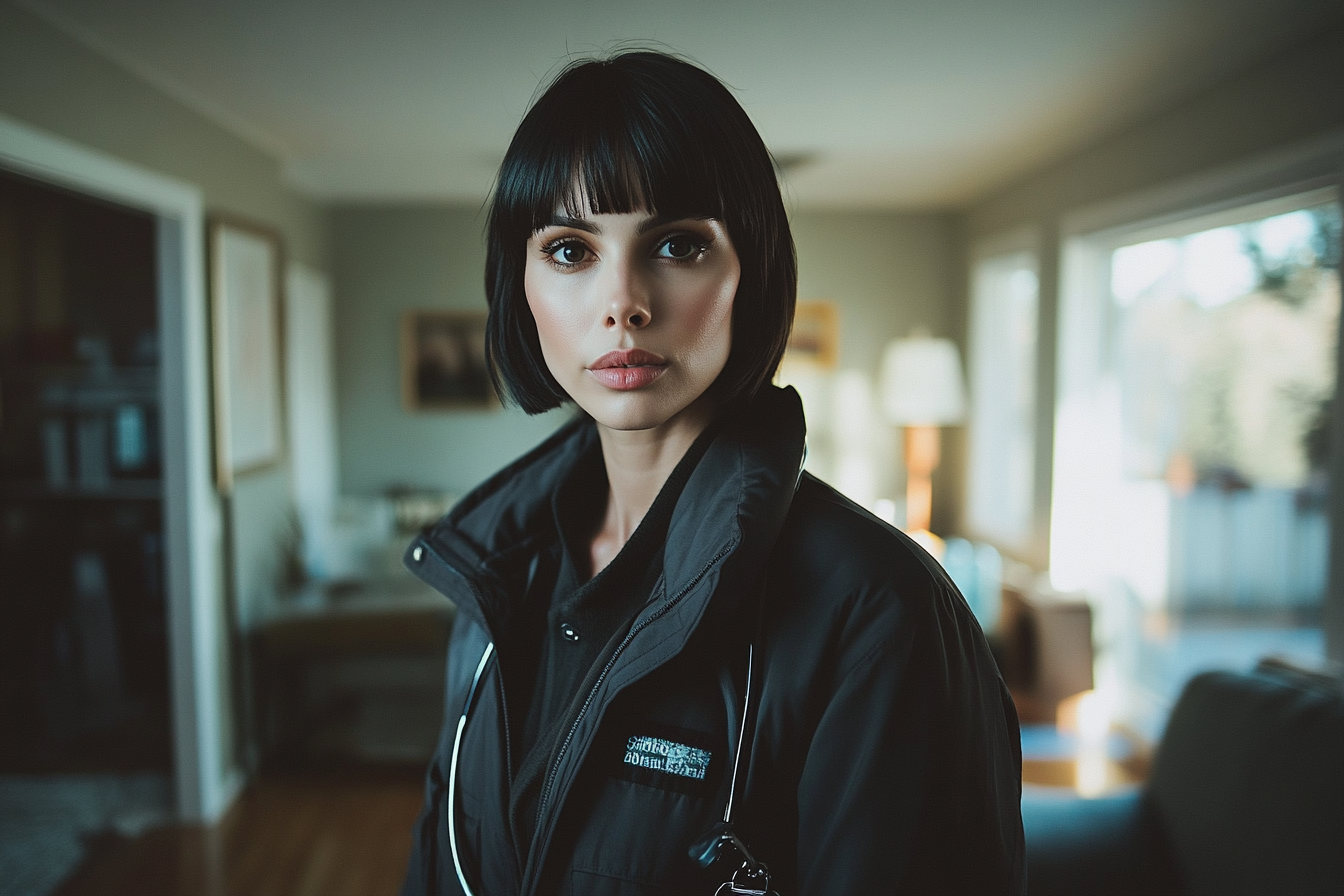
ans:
(652, 753)
(668, 757)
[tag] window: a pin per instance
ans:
(1197, 367)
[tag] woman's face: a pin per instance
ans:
(634, 313)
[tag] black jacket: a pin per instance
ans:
(883, 753)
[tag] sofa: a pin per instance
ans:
(1246, 795)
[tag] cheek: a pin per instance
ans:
(712, 318)
(531, 291)
(546, 302)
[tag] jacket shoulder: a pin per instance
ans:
(869, 585)
(828, 535)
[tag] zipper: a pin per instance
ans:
(602, 676)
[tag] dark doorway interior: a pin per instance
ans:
(83, 635)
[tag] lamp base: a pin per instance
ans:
(921, 459)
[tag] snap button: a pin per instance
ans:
(418, 554)
(568, 631)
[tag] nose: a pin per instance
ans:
(627, 299)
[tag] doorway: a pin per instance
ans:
(83, 622)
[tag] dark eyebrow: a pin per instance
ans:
(659, 220)
(577, 223)
(656, 221)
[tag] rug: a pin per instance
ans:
(45, 821)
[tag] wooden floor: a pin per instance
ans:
(311, 834)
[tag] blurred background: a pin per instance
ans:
(1069, 314)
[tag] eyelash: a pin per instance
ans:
(699, 246)
(548, 252)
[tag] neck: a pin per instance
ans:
(638, 464)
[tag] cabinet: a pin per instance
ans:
(352, 674)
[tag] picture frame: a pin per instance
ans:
(815, 338)
(246, 264)
(443, 366)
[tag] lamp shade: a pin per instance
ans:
(922, 383)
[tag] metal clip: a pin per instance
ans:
(752, 879)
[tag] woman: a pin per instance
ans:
(678, 658)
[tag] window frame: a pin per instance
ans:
(1022, 241)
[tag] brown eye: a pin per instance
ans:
(568, 253)
(679, 247)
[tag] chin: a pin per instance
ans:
(634, 411)
(629, 419)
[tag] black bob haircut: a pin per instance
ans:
(639, 131)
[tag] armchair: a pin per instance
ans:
(1246, 796)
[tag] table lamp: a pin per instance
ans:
(922, 389)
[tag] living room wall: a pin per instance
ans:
(387, 260)
(1284, 99)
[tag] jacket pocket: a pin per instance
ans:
(634, 839)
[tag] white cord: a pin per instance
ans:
(452, 769)
(741, 736)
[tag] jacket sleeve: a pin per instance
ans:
(912, 781)
(422, 869)
(429, 871)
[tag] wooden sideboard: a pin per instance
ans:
(353, 672)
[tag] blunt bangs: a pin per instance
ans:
(639, 131)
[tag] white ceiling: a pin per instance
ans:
(898, 104)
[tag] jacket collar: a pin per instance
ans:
(731, 508)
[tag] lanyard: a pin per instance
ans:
(452, 768)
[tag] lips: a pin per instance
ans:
(626, 369)
(628, 357)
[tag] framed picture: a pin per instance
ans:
(245, 263)
(443, 361)
(815, 337)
